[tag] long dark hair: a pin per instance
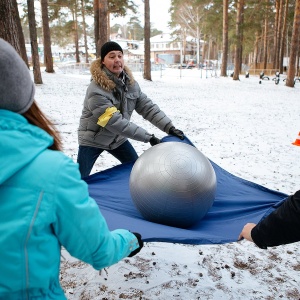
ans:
(36, 117)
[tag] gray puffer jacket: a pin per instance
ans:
(108, 106)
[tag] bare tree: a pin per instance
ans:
(10, 27)
(34, 45)
(189, 15)
(147, 29)
(294, 47)
(48, 60)
(225, 39)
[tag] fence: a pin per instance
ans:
(74, 68)
(157, 70)
(268, 72)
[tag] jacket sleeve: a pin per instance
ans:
(282, 226)
(151, 112)
(80, 226)
(117, 124)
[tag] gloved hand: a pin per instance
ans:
(176, 132)
(141, 244)
(154, 140)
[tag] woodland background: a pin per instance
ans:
(257, 33)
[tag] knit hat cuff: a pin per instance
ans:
(28, 105)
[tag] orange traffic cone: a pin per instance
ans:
(297, 141)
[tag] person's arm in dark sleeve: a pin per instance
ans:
(282, 226)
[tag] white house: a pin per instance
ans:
(165, 50)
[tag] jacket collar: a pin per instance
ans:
(107, 80)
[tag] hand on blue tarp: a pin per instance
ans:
(154, 140)
(141, 244)
(176, 132)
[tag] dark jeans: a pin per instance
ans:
(87, 156)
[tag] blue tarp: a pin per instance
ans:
(237, 202)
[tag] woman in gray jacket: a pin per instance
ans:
(110, 100)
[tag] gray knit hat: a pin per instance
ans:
(109, 46)
(16, 87)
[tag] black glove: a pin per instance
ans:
(154, 140)
(141, 244)
(176, 132)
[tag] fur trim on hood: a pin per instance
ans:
(101, 78)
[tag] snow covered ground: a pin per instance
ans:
(245, 127)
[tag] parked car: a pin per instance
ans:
(186, 66)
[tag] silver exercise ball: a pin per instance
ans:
(173, 183)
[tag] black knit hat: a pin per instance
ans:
(109, 46)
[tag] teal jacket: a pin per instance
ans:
(45, 205)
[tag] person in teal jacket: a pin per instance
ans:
(44, 203)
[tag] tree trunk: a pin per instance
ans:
(182, 45)
(75, 28)
(84, 32)
(147, 58)
(266, 29)
(279, 35)
(241, 38)
(48, 60)
(255, 50)
(198, 38)
(108, 25)
(298, 62)
(225, 39)
(283, 37)
(276, 33)
(21, 35)
(34, 45)
(238, 45)
(96, 26)
(10, 27)
(294, 47)
(103, 10)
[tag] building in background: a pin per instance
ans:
(164, 50)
